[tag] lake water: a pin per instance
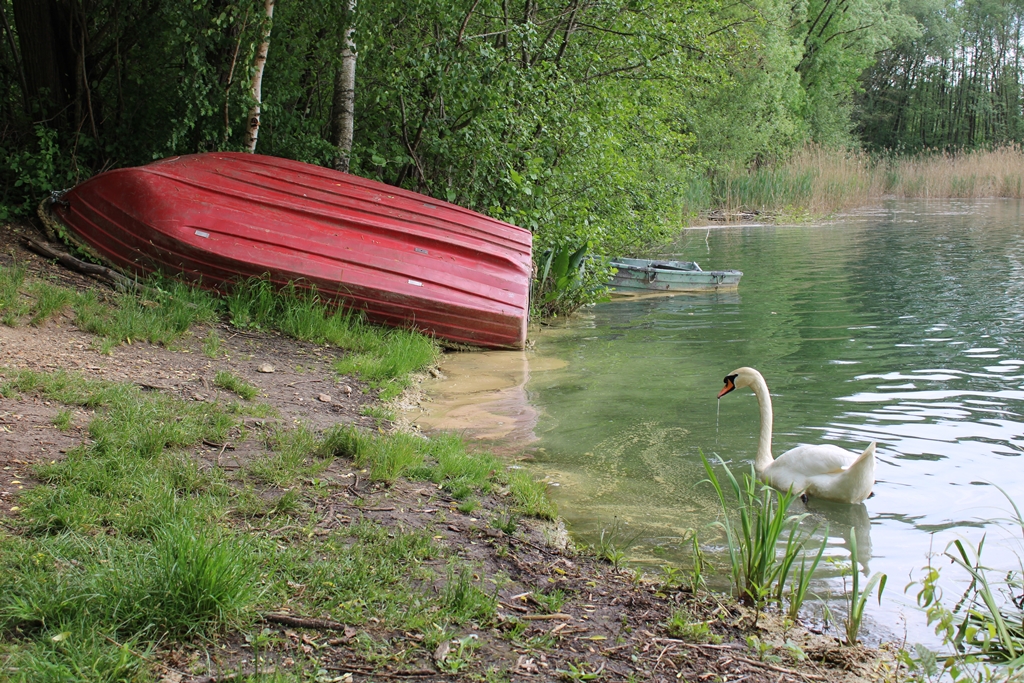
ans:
(902, 325)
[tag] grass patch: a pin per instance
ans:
(464, 601)
(377, 412)
(683, 625)
(50, 300)
(62, 420)
(165, 310)
(382, 357)
(293, 456)
(130, 475)
(531, 495)
(162, 314)
(232, 382)
(12, 305)
(212, 344)
(127, 542)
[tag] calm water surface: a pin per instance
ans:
(903, 325)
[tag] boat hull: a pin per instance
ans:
(405, 259)
(637, 276)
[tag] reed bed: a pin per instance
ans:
(984, 173)
(819, 182)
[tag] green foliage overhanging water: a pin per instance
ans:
(584, 122)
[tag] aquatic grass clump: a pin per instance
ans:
(814, 181)
(858, 598)
(819, 181)
(979, 173)
(758, 573)
(984, 629)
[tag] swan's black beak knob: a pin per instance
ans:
(730, 384)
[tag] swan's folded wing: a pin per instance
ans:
(813, 460)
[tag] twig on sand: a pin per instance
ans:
(780, 669)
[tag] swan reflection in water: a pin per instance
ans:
(843, 521)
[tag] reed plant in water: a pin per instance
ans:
(984, 630)
(758, 572)
(858, 598)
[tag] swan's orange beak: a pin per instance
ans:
(729, 386)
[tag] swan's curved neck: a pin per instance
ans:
(764, 443)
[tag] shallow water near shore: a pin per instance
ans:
(902, 325)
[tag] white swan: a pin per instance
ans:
(825, 471)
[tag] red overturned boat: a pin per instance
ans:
(404, 258)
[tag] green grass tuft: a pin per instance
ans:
(202, 579)
(12, 305)
(50, 300)
(231, 382)
(464, 601)
(531, 495)
(161, 316)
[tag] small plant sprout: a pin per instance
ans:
(580, 671)
(451, 659)
(762, 650)
(671, 576)
(212, 344)
(551, 602)
(62, 420)
(614, 543)
(700, 564)
(507, 522)
(682, 625)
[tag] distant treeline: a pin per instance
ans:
(587, 121)
(953, 85)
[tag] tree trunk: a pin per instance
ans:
(46, 54)
(257, 80)
(343, 104)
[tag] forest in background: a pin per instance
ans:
(587, 121)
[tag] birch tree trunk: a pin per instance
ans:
(257, 80)
(344, 100)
